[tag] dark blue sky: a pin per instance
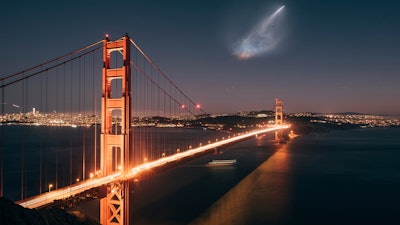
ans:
(334, 56)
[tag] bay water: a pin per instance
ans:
(338, 177)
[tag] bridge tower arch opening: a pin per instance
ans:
(279, 119)
(115, 137)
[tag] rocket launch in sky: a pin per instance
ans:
(262, 38)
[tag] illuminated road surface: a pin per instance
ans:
(61, 193)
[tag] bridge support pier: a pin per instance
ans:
(114, 208)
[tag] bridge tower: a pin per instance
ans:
(278, 119)
(115, 140)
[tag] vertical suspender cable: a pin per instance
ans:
(47, 112)
(146, 94)
(152, 113)
(95, 117)
(146, 149)
(136, 148)
(63, 130)
(26, 169)
(41, 136)
(23, 142)
(57, 111)
(170, 113)
(164, 114)
(79, 109)
(142, 139)
(70, 132)
(161, 115)
(63, 95)
(84, 113)
(2, 143)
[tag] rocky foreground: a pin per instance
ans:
(11, 213)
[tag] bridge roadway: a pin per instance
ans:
(65, 192)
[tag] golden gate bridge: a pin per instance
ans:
(99, 138)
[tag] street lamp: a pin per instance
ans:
(50, 186)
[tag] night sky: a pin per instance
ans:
(332, 56)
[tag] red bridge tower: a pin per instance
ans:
(115, 140)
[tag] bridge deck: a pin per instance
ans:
(62, 193)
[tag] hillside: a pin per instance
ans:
(11, 213)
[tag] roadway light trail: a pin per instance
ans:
(61, 193)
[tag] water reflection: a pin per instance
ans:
(260, 198)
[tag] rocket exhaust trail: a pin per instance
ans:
(277, 11)
(262, 38)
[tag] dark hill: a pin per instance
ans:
(11, 213)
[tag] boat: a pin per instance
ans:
(292, 134)
(222, 162)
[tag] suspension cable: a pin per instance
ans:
(50, 61)
(163, 74)
(49, 68)
(158, 86)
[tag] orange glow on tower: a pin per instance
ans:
(114, 143)
(278, 119)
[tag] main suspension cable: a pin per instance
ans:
(49, 68)
(163, 74)
(51, 61)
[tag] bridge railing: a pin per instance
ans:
(136, 171)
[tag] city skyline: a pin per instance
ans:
(332, 56)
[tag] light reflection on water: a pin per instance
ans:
(343, 177)
(265, 191)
